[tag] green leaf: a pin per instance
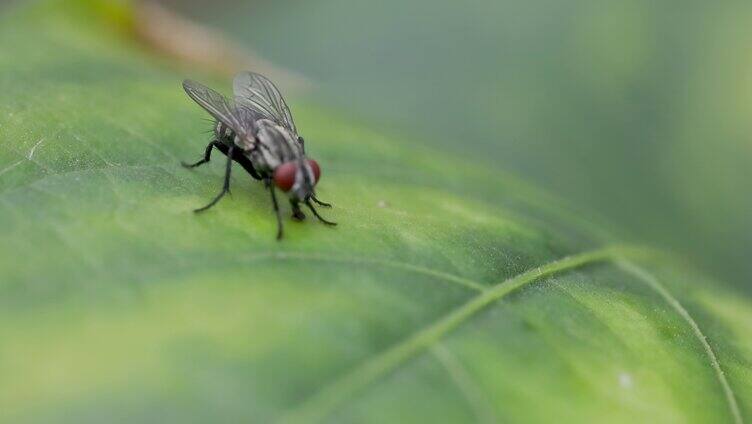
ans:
(578, 99)
(449, 292)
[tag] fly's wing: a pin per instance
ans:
(256, 92)
(239, 120)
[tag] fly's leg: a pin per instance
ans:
(297, 214)
(270, 186)
(315, 212)
(320, 203)
(207, 155)
(225, 186)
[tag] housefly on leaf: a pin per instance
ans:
(256, 130)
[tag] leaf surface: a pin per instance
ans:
(448, 292)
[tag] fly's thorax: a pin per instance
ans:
(276, 145)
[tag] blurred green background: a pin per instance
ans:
(635, 109)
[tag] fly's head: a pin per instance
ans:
(298, 178)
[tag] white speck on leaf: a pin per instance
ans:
(625, 380)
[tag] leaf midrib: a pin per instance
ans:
(330, 396)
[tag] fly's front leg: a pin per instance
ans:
(316, 213)
(270, 186)
(207, 155)
(320, 203)
(225, 186)
(297, 214)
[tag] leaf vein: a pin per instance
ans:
(465, 282)
(318, 406)
(472, 393)
(653, 282)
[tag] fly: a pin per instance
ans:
(257, 131)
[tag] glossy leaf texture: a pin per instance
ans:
(448, 293)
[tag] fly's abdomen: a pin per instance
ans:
(224, 133)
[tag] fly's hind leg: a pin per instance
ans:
(225, 186)
(207, 155)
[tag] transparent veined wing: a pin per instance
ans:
(256, 92)
(239, 119)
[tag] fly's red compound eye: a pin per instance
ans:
(316, 170)
(284, 176)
